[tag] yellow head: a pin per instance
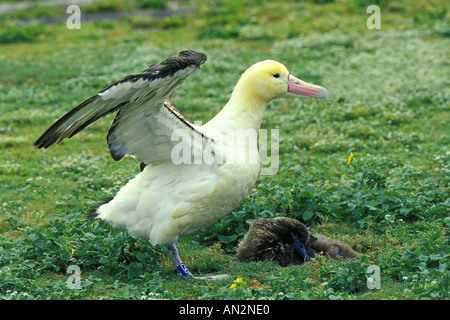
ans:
(269, 79)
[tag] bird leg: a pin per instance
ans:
(176, 261)
(182, 269)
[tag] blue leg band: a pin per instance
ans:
(183, 269)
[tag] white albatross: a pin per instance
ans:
(169, 199)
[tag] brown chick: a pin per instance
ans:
(287, 241)
(331, 247)
(275, 239)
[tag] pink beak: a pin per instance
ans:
(297, 86)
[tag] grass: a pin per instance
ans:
(389, 106)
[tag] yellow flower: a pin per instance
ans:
(239, 281)
(350, 158)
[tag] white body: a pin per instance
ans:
(167, 200)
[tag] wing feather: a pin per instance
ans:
(146, 116)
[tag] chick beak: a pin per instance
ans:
(300, 248)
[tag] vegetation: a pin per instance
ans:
(388, 106)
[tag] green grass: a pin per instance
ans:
(389, 106)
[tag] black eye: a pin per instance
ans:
(276, 75)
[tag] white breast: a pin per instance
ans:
(167, 200)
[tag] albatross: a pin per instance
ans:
(191, 174)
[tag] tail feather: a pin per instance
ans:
(92, 213)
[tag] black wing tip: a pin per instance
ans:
(38, 144)
(47, 139)
(44, 141)
(55, 135)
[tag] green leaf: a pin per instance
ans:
(298, 277)
(227, 239)
(307, 215)
(364, 259)
(134, 270)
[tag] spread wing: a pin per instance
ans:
(146, 118)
